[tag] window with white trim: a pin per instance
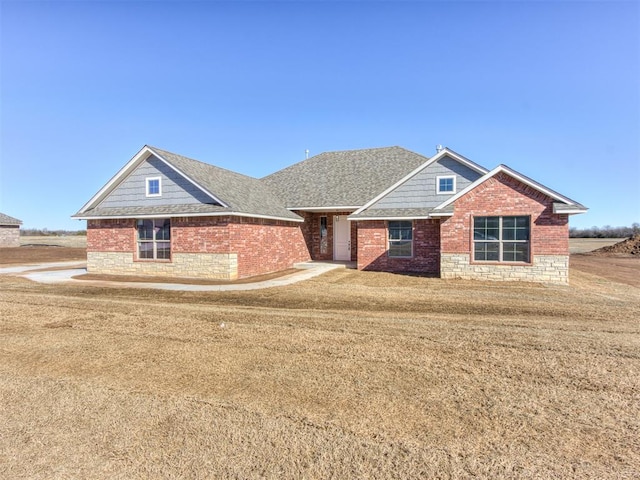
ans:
(154, 239)
(446, 184)
(502, 239)
(400, 238)
(154, 186)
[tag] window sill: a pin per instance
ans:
(512, 264)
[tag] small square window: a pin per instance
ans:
(446, 184)
(154, 187)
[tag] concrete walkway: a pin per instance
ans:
(307, 270)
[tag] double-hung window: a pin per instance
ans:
(400, 238)
(501, 239)
(154, 239)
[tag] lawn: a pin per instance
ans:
(348, 375)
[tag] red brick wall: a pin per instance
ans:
(200, 235)
(311, 232)
(372, 248)
(117, 235)
(265, 246)
(504, 195)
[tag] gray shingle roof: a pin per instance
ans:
(345, 178)
(242, 193)
(7, 220)
(559, 207)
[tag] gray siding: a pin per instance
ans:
(176, 190)
(420, 190)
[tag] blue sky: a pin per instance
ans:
(551, 89)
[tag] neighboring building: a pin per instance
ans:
(9, 231)
(387, 209)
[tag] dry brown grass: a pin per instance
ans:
(349, 375)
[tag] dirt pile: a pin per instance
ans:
(630, 246)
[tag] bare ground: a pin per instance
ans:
(349, 375)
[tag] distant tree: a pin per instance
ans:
(605, 232)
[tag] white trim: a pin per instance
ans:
(324, 209)
(440, 214)
(417, 217)
(175, 215)
(569, 212)
(444, 152)
(512, 173)
(444, 177)
(146, 186)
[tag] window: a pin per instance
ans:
(400, 238)
(154, 239)
(323, 235)
(501, 239)
(446, 184)
(154, 187)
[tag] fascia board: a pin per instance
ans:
(324, 209)
(414, 217)
(180, 172)
(116, 179)
(574, 211)
(444, 152)
(512, 173)
(202, 214)
(440, 214)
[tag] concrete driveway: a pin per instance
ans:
(50, 273)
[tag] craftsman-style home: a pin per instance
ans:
(386, 209)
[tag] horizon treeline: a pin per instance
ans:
(592, 232)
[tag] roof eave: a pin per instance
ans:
(200, 214)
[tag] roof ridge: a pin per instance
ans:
(210, 165)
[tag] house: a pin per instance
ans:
(386, 209)
(9, 231)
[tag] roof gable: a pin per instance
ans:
(561, 199)
(444, 153)
(230, 193)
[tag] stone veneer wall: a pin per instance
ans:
(9, 235)
(545, 268)
(211, 266)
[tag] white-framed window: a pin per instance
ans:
(153, 186)
(400, 238)
(446, 184)
(154, 239)
(502, 239)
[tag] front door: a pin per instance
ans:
(341, 238)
